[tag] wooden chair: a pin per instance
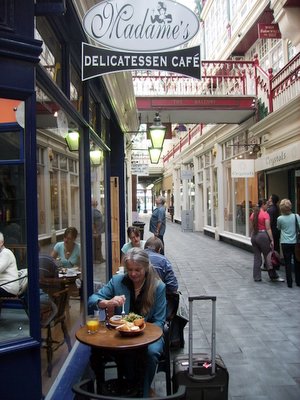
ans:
(60, 300)
(85, 391)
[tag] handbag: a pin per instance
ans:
(297, 245)
(275, 259)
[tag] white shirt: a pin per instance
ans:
(8, 271)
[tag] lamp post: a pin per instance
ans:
(145, 201)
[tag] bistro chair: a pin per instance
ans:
(85, 390)
(164, 363)
(50, 318)
(18, 301)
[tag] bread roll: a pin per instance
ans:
(139, 322)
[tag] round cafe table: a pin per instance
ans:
(111, 339)
(107, 343)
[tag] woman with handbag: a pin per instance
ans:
(262, 241)
(289, 224)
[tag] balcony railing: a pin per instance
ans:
(219, 78)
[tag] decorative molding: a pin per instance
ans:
(7, 15)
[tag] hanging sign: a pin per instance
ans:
(97, 61)
(269, 31)
(242, 168)
(141, 25)
(136, 34)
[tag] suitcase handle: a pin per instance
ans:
(213, 332)
(212, 298)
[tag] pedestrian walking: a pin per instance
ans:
(158, 220)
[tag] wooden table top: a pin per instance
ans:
(111, 339)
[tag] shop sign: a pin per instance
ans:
(140, 169)
(97, 61)
(242, 168)
(285, 155)
(134, 35)
(141, 25)
(269, 31)
(187, 174)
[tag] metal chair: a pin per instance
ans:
(60, 300)
(85, 390)
(18, 301)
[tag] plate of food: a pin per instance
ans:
(132, 328)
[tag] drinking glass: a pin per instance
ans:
(92, 323)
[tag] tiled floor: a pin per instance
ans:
(258, 323)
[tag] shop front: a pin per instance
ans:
(47, 185)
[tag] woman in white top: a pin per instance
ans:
(134, 236)
(9, 285)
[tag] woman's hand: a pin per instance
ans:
(117, 301)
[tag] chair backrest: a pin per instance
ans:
(60, 299)
(172, 305)
(23, 280)
(81, 389)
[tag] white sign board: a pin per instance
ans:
(282, 156)
(140, 169)
(141, 25)
(187, 174)
(242, 169)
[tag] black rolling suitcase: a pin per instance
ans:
(204, 375)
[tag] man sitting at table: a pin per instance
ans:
(142, 292)
(162, 265)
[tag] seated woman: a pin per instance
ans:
(68, 251)
(9, 284)
(134, 236)
(143, 293)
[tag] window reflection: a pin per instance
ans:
(14, 321)
(98, 220)
(51, 57)
(58, 209)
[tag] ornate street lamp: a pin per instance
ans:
(157, 132)
(96, 156)
(154, 155)
(72, 140)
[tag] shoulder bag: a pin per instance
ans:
(297, 245)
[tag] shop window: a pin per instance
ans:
(240, 195)
(98, 213)
(93, 113)
(76, 89)
(51, 57)
(14, 322)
